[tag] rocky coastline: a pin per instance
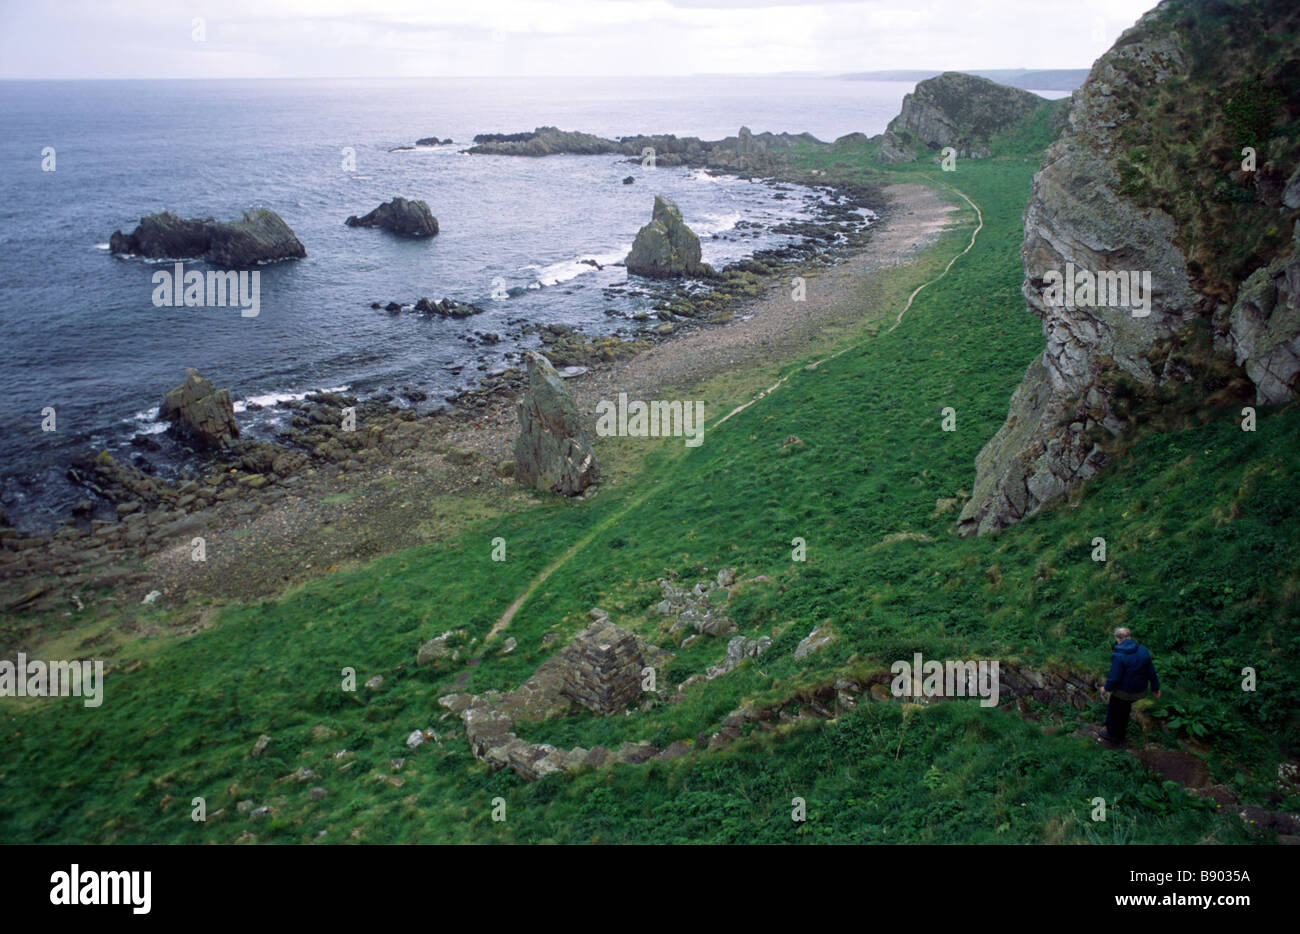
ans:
(131, 517)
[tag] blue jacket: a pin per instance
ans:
(1131, 668)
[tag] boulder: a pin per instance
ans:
(199, 411)
(400, 216)
(433, 141)
(552, 452)
(666, 247)
(257, 237)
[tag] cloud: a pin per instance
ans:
(326, 38)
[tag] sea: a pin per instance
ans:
(88, 353)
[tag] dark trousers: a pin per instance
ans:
(1117, 717)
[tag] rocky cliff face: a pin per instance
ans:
(958, 110)
(1147, 181)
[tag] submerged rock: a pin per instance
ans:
(259, 236)
(202, 412)
(400, 216)
(552, 451)
(666, 247)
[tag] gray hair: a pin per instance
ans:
(1122, 633)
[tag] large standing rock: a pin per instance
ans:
(552, 451)
(259, 236)
(666, 247)
(400, 216)
(201, 412)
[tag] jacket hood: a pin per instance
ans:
(1128, 647)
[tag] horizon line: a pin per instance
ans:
(849, 75)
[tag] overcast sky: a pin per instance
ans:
(396, 38)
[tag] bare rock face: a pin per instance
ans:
(400, 216)
(259, 236)
(958, 110)
(552, 451)
(666, 248)
(201, 412)
(1264, 326)
(1093, 210)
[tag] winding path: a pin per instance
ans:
(586, 539)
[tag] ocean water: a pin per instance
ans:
(81, 333)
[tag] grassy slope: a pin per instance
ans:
(1201, 535)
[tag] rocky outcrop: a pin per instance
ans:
(552, 451)
(744, 152)
(1102, 205)
(702, 608)
(199, 411)
(1264, 326)
(400, 216)
(257, 237)
(956, 110)
(666, 248)
(433, 141)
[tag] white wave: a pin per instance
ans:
(101, 246)
(716, 223)
(275, 398)
(568, 269)
(147, 422)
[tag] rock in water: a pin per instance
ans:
(201, 412)
(666, 247)
(259, 236)
(399, 216)
(552, 452)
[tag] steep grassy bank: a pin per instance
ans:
(850, 457)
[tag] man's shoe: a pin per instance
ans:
(1105, 737)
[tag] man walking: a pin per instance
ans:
(1130, 670)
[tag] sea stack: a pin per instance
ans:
(666, 248)
(400, 216)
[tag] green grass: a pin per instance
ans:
(1201, 535)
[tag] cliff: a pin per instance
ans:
(1148, 187)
